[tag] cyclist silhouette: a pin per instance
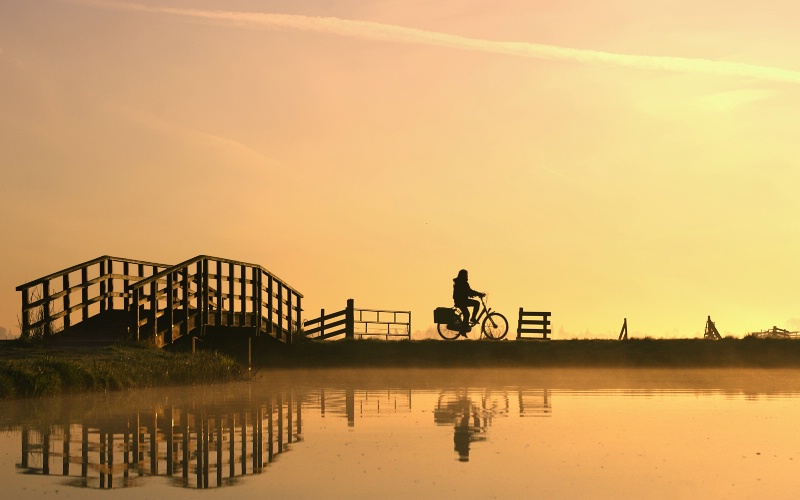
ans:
(462, 298)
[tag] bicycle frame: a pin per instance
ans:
(485, 311)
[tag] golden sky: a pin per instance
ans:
(597, 159)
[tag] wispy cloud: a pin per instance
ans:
(388, 32)
(241, 155)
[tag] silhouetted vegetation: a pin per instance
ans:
(32, 369)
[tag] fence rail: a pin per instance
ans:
(352, 323)
(382, 323)
(331, 325)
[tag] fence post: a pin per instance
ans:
(46, 329)
(133, 298)
(170, 312)
(257, 310)
(110, 287)
(350, 328)
(623, 334)
(84, 294)
(206, 299)
(26, 318)
(101, 277)
(185, 300)
(280, 311)
(66, 301)
(299, 317)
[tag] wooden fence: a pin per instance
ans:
(536, 323)
(351, 323)
(332, 325)
(63, 299)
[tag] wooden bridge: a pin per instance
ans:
(148, 301)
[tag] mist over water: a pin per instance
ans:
(552, 433)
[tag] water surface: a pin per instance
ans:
(556, 433)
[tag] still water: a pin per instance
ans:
(555, 433)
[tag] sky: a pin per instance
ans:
(597, 159)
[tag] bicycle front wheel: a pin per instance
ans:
(495, 326)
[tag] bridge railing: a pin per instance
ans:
(211, 291)
(57, 301)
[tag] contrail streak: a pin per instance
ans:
(392, 33)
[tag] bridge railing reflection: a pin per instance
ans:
(197, 447)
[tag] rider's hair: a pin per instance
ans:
(462, 274)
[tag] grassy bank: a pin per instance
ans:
(36, 370)
(666, 353)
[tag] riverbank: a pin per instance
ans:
(633, 353)
(36, 370)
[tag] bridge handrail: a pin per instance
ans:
(193, 260)
(88, 263)
(46, 317)
(240, 303)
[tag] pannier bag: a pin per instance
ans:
(444, 315)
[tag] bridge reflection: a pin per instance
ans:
(198, 447)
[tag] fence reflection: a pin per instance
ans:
(534, 403)
(194, 447)
(350, 402)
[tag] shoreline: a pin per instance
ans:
(36, 370)
(631, 353)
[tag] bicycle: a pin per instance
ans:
(449, 323)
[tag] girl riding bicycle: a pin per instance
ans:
(462, 294)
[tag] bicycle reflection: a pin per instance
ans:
(471, 413)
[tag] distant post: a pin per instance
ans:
(623, 334)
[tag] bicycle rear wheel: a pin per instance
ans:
(495, 326)
(446, 332)
(451, 330)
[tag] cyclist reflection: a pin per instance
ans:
(465, 434)
(466, 418)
